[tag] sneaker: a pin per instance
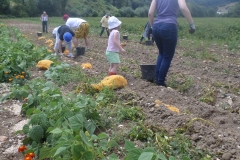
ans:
(87, 48)
(55, 54)
(70, 55)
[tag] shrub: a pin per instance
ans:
(126, 12)
(141, 12)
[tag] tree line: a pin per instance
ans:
(95, 8)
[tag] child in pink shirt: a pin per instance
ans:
(114, 46)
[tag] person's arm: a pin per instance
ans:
(116, 42)
(101, 21)
(41, 18)
(185, 11)
(60, 46)
(151, 12)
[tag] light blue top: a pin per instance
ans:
(167, 11)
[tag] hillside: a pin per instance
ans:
(212, 3)
(97, 8)
(227, 6)
(88, 8)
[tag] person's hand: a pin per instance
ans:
(192, 28)
(123, 45)
(123, 51)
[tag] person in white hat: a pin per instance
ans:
(114, 47)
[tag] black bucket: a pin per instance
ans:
(125, 37)
(80, 51)
(39, 34)
(148, 72)
(149, 43)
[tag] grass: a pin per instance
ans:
(180, 82)
(209, 94)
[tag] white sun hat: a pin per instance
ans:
(113, 22)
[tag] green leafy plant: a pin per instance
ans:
(133, 113)
(141, 132)
(180, 82)
(209, 93)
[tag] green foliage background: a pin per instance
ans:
(97, 8)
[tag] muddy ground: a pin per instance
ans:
(208, 78)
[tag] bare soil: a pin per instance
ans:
(219, 134)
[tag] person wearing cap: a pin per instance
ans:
(104, 24)
(44, 18)
(114, 47)
(64, 34)
(81, 28)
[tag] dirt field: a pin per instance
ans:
(219, 134)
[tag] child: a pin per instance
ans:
(147, 32)
(114, 46)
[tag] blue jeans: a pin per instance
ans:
(165, 36)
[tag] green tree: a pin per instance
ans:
(235, 11)
(141, 11)
(4, 7)
(127, 12)
(32, 8)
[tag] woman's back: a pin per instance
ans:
(167, 11)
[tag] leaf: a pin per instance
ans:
(149, 149)
(44, 153)
(102, 136)
(173, 158)
(161, 156)
(112, 144)
(85, 140)
(135, 153)
(59, 150)
(56, 95)
(46, 89)
(56, 131)
(36, 133)
(76, 151)
(103, 144)
(30, 112)
(27, 141)
(90, 127)
(113, 156)
(88, 155)
(80, 105)
(129, 145)
(76, 122)
(146, 156)
(22, 65)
